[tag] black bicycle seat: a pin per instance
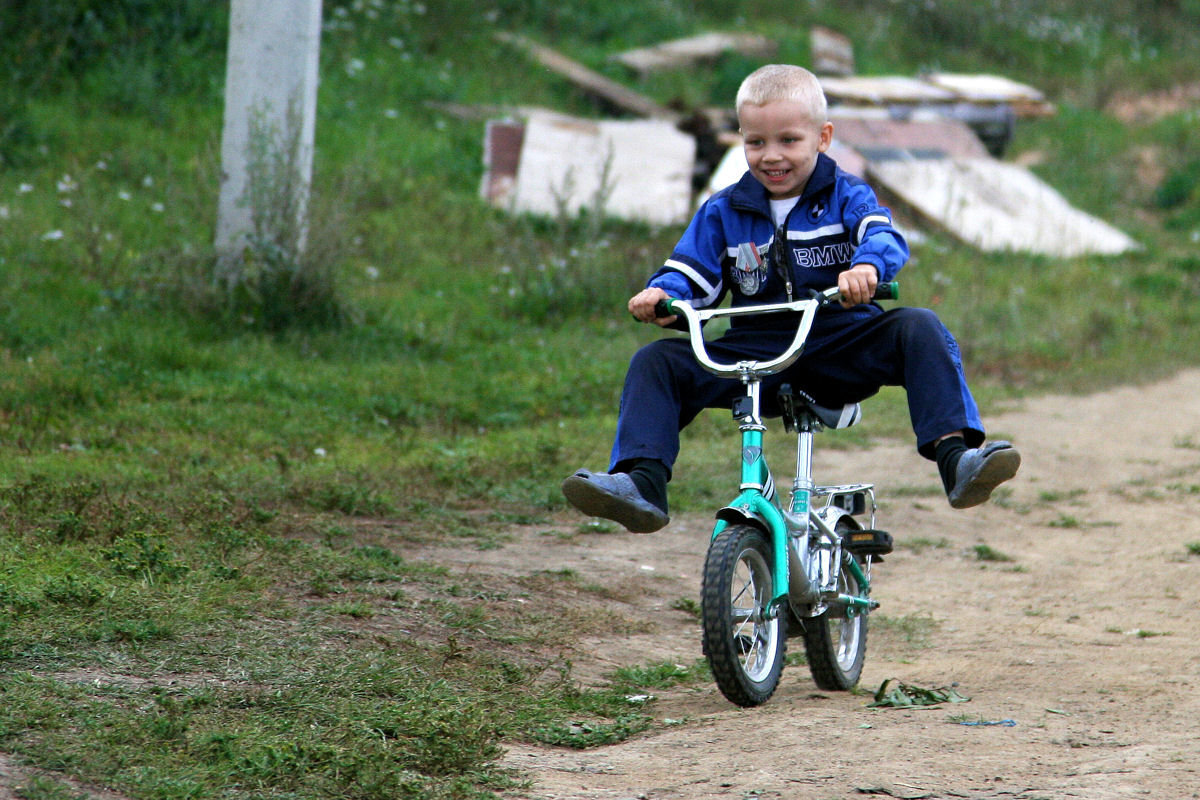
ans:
(794, 402)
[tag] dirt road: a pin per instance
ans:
(1080, 655)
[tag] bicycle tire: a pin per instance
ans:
(745, 649)
(835, 643)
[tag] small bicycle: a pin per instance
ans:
(773, 571)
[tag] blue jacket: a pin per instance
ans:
(836, 224)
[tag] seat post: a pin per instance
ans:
(802, 484)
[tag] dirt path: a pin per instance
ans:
(1087, 640)
(1079, 655)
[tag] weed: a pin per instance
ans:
(657, 676)
(920, 544)
(146, 556)
(985, 552)
(349, 499)
(915, 491)
(355, 610)
(285, 274)
(796, 658)
(1055, 496)
(72, 590)
(687, 605)
(915, 630)
(585, 734)
(45, 788)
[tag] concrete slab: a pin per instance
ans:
(636, 170)
(995, 206)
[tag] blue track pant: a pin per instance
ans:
(665, 387)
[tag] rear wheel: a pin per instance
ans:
(744, 647)
(835, 642)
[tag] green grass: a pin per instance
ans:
(205, 589)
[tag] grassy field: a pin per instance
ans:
(203, 514)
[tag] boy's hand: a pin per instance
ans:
(857, 284)
(642, 304)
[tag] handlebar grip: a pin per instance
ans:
(887, 291)
(663, 309)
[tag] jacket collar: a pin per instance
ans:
(750, 195)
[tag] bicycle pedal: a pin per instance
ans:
(868, 542)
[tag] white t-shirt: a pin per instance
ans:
(780, 208)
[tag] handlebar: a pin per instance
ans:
(887, 291)
(807, 308)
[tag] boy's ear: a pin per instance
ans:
(825, 137)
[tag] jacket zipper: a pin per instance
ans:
(778, 257)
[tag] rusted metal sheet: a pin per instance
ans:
(921, 131)
(502, 141)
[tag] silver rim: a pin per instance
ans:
(844, 631)
(755, 636)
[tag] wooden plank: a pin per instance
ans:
(590, 81)
(694, 50)
(883, 90)
(832, 52)
(936, 89)
(1025, 100)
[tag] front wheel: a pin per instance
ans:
(835, 642)
(743, 643)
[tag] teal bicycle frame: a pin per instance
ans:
(758, 502)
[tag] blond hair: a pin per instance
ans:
(776, 82)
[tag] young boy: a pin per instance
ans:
(812, 226)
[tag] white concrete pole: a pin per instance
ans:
(270, 90)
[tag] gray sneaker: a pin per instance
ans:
(613, 496)
(981, 470)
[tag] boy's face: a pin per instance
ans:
(781, 143)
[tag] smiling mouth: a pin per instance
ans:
(776, 174)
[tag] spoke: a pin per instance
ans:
(746, 587)
(753, 655)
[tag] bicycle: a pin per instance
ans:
(772, 570)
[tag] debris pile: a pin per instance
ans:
(931, 145)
